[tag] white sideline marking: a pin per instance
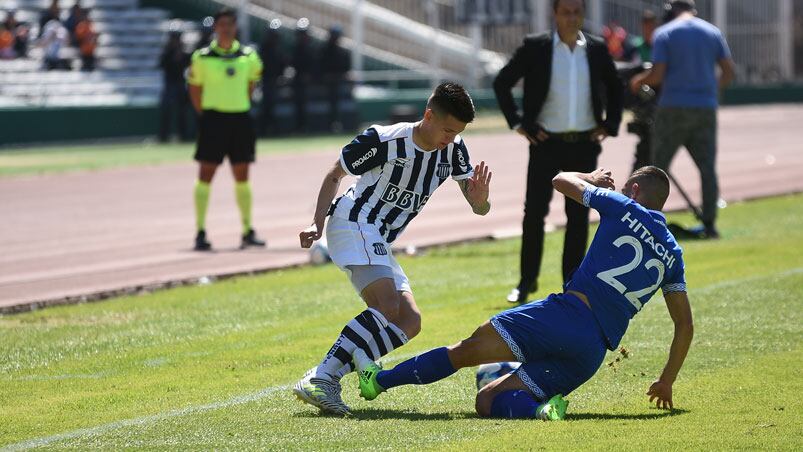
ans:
(254, 396)
(138, 421)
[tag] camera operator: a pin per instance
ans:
(686, 53)
(642, 103)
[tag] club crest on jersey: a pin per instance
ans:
(379, 249)
(444, 170)
(404, 199)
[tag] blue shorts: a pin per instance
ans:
(557, 340)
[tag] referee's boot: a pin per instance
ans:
(201, 244)
(251, 239)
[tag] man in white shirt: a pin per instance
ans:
(54, 37)
(572, 101)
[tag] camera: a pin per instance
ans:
(643, 103)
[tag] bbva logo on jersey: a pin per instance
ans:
(404, 199)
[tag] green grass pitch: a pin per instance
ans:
(209, 367)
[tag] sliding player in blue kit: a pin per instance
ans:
(562, 340)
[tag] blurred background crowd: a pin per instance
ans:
(330, 65)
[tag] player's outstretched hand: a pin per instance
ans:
(661, 393)
(601, 177)
(310, 235)
(479, 184)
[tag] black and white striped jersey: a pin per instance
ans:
(395, 178)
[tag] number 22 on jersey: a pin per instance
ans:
(609, 276)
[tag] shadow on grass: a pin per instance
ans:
(625, 417)
(379, 414)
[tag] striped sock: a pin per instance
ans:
(396, 336)
(368, 331)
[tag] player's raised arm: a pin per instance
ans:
(680, 311)
(327, 193)
(476, 189)
(572, 185)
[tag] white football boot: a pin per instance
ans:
(323, 393)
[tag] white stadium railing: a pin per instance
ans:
(761, 34)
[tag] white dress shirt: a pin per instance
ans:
(568, 105)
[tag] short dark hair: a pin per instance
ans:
(555, 4)
(654, 184)
(682, 5)
(225, 12)
(453, 99)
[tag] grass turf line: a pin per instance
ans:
(82, 366)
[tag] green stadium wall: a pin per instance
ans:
(20, 126)
(42, 125)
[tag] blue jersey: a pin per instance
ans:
(633, 254)
(690, 49)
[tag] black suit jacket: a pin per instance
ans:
(533, 62)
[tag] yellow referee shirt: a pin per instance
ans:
(224, 76)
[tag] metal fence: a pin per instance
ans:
(766, 37)
(761, 34)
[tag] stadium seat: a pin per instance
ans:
(127, 73)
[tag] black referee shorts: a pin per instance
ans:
(226, 134)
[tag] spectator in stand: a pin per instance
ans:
(335, 65)
(72, 21)
(174, 62)
(53, 12)
(87, 40)
(616, 39)
(19, 34)
(640, 48)
(302, 63)
(6, 43)
(270, 52)
(54, 37)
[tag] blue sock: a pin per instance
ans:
(515, 404)
(428, 368)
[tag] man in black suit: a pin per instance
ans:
(569, 81)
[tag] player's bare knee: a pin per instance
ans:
(412, 324)
(409, 314)
(484, 401)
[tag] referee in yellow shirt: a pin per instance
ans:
(222, 79)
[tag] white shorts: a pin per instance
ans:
(353, 243)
